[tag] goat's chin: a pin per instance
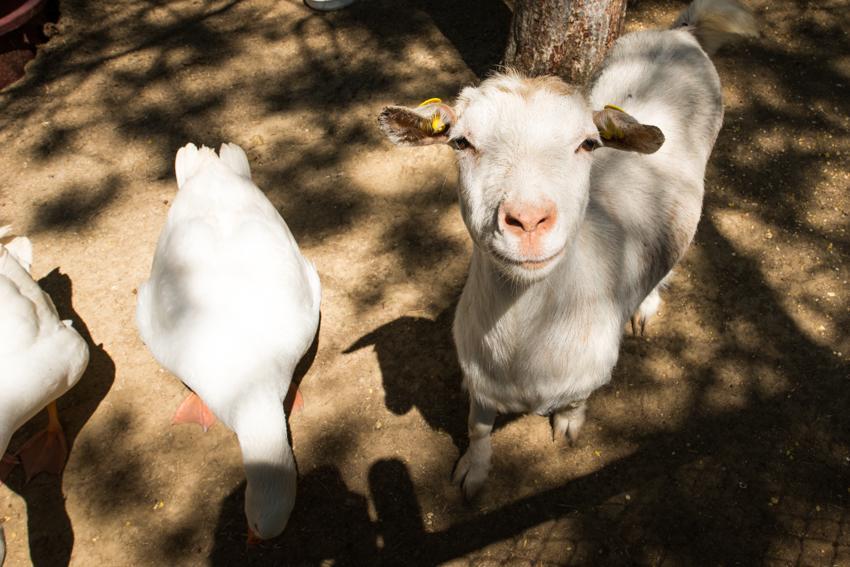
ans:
(526, 271)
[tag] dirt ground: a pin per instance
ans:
(723, 438)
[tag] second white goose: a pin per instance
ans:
(230, 308)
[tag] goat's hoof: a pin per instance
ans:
(646, 311)
(568, 423)
(471, 475)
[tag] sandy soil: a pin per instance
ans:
(724, 437)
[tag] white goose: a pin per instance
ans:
(41, 358)
(230, 308)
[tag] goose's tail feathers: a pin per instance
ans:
(235, 158)
(190, 159)
(19, 247)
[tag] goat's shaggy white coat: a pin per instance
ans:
(542, 340)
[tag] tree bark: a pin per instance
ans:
(567, 38)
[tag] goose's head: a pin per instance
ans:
(269, 498)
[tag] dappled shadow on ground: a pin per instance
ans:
(736, 443)
(51, 536)
(479, 31)
(307, 122)
(76, 206)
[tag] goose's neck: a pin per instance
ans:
(270, 470)
(262, 432)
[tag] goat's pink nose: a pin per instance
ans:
(520, 218)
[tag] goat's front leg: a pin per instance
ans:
(473, 468)
(568, 421)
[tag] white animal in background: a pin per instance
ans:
(578, 206)
(41, 358)
(230, 308)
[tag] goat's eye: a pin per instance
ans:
(588, 145)
(460, 143)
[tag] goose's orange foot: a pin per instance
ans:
(293, 402)
(46, 451)
(194, 410)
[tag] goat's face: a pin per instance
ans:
(524, 149)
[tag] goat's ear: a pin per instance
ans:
(429, 123)
(620, 130)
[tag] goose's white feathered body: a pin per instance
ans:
(41, 357)
(230, 308)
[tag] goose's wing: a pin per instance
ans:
(24, 307)
(41, 357)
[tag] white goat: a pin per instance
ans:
(570, 242)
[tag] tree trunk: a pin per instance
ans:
(567, 38)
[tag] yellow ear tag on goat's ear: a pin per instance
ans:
(437, 124)
(610, 131)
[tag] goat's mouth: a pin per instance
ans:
(529, 264)
(536, 265)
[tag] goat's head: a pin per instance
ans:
(524, 147)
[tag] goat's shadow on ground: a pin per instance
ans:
(419, 369)
(51, 535)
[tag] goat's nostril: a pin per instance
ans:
(513, 221)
